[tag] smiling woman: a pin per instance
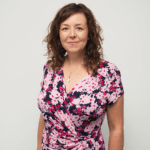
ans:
(78, 23)
(79, 87)
(73, 35)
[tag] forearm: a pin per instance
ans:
(116, 140)
(40, 130)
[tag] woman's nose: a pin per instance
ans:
(72, 33)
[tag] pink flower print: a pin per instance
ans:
(91, 126)
(84, 117)
(78, 124)
(83, 106)
(113, 97)
(49, 89)
(104, 71)
(51, 123)
(90, 141)
(99, 95)
(85, 99)
(54, 101)
(76, 101)
(45, 86)
(101, 66)
(100, 111)
(49, 102)
(61, 99)
(65, 103)
(88, 104)
(110, 74)
(82, 145)
(74, 117)
(99, 101)
(79, 109)
(54, 76)
(45, 76)
(106, 81)
(104, 93)
(112, 67)
(101, 137)
(89, 110)
(51, 108)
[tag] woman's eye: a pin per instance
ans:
(79, 28)
(64, 28)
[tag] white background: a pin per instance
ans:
(23, 24)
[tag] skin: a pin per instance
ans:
(71, 31)
(41, 127)
(115, 115)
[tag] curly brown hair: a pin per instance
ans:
(56, 53)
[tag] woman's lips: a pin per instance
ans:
(73, 43)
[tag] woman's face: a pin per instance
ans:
(75, 30)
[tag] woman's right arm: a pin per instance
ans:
(40, 132)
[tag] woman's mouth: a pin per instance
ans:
(73, 43)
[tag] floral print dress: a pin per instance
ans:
(73, 120)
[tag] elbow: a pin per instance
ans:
(116, 129)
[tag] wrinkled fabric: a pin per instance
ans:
(73, 120)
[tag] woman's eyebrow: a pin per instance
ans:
(68, 25)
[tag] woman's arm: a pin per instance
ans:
(40, 132)
(115, 117)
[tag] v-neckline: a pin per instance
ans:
(75, 84)
(90, 74)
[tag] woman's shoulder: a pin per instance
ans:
(108, 68)
(47, 65)
(108, 64)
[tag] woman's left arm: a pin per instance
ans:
(115, 118)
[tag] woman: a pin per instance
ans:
(78, 88)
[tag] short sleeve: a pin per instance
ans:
(42, 90)
(43, 77)
(115, 86)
